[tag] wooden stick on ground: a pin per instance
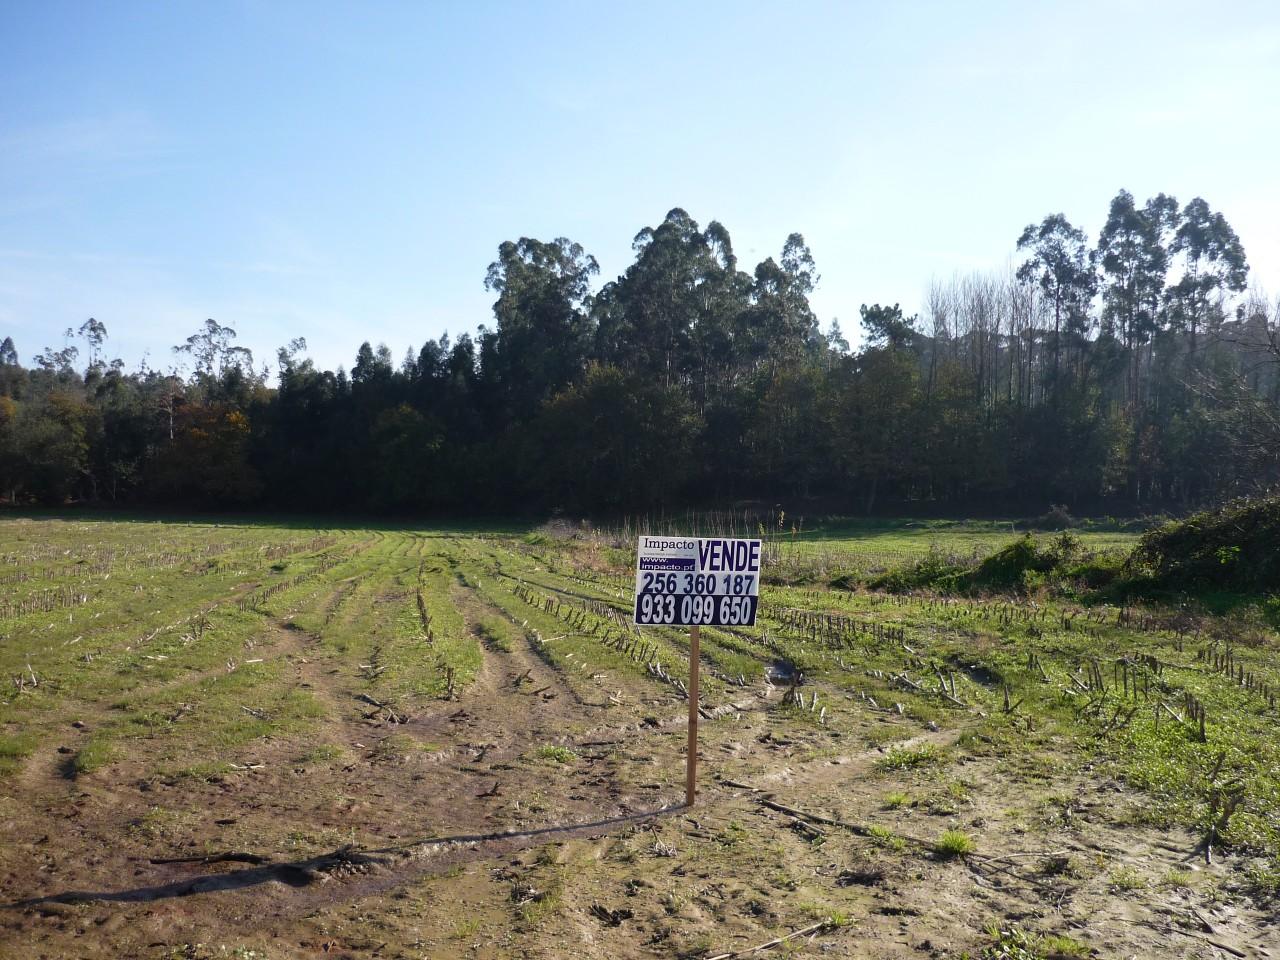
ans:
(819, 927)
(233, 856)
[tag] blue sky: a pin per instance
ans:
(346, 171)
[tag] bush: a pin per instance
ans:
(1021, 565)
(1236, 548)
(1098, 571)
(934, 571)
(1057, 517)
(845, 581)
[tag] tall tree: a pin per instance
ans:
(780, 324)
(886, 327)
(1214, 264)
(94, 334)
(214, 352)
(1134, 263)
(1061, 264)
(671, 313)
(544, 332)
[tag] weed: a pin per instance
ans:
(466, 929)
(908, 758)
(1264, 880)
(322, 753)
(895, 800)
(395, 748)
(954, 843)
(94, 755)
(14, 748)
(698, 946)
(733, 834)
(1012, 943)
(1063, 947)
(535, 904)
(887, 838)
(555, 753)
(1125, 880)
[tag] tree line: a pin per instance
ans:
(1137, 371)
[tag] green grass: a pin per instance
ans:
(151, 686)
(14, 748)
(94, 755)
(498, 633)
(908, 758)
(322, 753)
(887, 838)
(954, 843)
(1015, 943)
(555, 754)
(1125, 880)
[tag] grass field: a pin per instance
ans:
(257, 740)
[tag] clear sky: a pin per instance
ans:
(346, 171)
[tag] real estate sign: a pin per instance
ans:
(693, 581)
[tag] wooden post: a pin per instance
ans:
(691, 762)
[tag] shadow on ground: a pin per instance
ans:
(301, 873)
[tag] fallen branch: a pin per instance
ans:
(860, 829)
(1234, 951)
(977, 863)
(820, 927)
(231, 856)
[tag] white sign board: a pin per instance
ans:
(692, 581)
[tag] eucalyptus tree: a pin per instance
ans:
(545, 332)
(1134, 263)
(671, 313)
(12, 376)
(1214, 264)
(94, 334)
(214, 352)
(780, 324)
(1061, 264)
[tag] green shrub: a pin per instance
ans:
(1236, 547)
(557, 754)
(1056, 517)
(905, 758)
(1020, 566)
(934, 571)
(954, 843)
(1098, 571)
